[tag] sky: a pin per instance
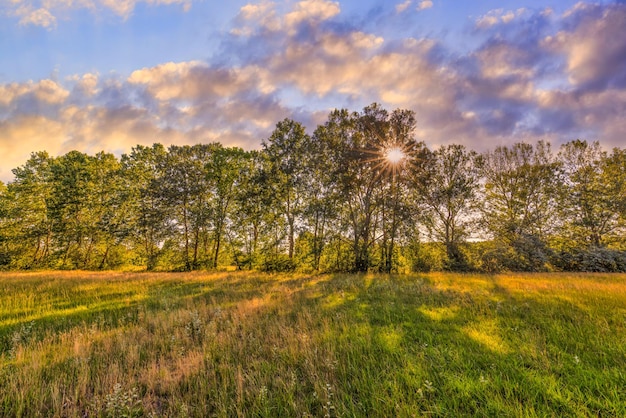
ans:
(107, 75)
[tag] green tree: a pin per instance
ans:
(110, 207)
(352, 164)
(250, 211)
(70, 208)
(321, 198)
(27, 226)
(147, 213)
(5, 201)
(404, 161)
(590, 198)
(614, 173)
(224, 171)
(519, 203)
(448, 194)
(368, 185)
(287, 177)
(184, 188)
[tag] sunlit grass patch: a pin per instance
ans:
(487, 333)
(440, 313)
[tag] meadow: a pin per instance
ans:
(232, 344)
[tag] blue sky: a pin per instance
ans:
(110, 74)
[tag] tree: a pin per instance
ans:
(519, 202)
(27, 226)
(250, 211)
(321, 197)
(350, 160)
(287, 177)
(224, 170)
(404, 161)
(5, 201)
(72, 178)
(183, 187)
(589, 202)
(449, 197)
(368, 185)
(147, 212)
(614, 174)
(109, 205)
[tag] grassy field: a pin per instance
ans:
(250, 344)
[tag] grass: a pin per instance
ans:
(249, 344)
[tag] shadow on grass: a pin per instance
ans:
(448, 352)
(112, 304)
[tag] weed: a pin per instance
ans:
(328, 407)
(122, 404)
(21, 337)
(193, 328)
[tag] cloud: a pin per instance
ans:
(421, 5)
(568, 83)
(425, 4)
(311, 11)
(28, 15)
(594, 45)
(31, 97)
(172, 103)
(533, 76)
(498, 16)
(402, 7)
(264, 17)
(24, 134)
(85, 85)
(46, 13)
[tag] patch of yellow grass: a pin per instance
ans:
(439, 314)
(487, 334)
(390, 337)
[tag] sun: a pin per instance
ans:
(394, 155)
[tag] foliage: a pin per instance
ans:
(519, 200)
(361, 194)
(449, 196)
(594, 259)
(590, 198)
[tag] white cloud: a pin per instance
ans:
(88, 84)
(488, 96)
(595, 48)
(499, 60)
(497, 16)
(37, 17)
(402, 7)
(265, 16)
(46, 13)
(578, 7)
(22, 135)
(311, 11)
(193, 81)
(425, 4)
(47, 91)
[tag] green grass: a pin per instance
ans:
(250, 344)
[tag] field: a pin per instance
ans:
(250, 344)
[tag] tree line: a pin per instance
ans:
(359, 194)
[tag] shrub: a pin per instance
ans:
(278, 263)
(594, 259)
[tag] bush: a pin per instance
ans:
(278, 263)
(5, 259)
(427, 257)
(595, 259)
